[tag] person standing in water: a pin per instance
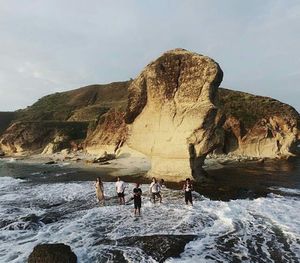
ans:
(188, 188)
(120, 188)
(99, 190)
(137, 199)
(154, 190)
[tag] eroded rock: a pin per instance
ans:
(259, 127)
(172, 115)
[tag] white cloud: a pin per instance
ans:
(52, 45)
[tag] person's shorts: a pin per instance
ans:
(121, 194)
(156, 194)
(137, 204)
(188, 196)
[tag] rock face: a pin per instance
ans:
(258, 126)
(65, 114)
(30, 137)
(172, 115)
(109, 133)
(52, 253)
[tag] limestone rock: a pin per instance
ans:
(52, 253)
(258, 126)
(59, 143)
(32, 137)
(172, 114)
(110, 132)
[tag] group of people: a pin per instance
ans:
(154, 191)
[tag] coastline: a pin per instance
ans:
(126, 163)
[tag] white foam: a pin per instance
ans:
(286, 190)
(6, 181)
(84, 224)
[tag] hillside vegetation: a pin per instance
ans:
(250, 108)
(83, 104)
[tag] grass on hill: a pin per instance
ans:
(250, 108)
(83, 104)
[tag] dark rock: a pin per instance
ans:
(104, 163)
(51, 162)
(159, 247)
(103, 159)
(52, 253)
(31, 218)
(2, 153)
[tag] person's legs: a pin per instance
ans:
(186, 198)
(137, 207)
(153, 197)
(159, 196)
(191, 199)
(120, 198)
(139, 204)
(123, 199)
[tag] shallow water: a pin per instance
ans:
(248, 213)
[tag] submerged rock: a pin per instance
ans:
(52, 253)
(159, 247)
(172, 114)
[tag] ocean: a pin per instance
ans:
(242, 213)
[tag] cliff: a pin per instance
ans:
(173, 111)
(61, 120)
(32, 137)
(258, 126)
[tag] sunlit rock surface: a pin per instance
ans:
(172, 114)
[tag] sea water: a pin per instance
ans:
(53, 204)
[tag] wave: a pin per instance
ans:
(239, 230)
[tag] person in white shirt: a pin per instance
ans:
(154, 190)
(120, 188)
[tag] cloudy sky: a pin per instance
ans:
(48, 46)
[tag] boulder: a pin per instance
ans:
(172, 115)
(52, 253)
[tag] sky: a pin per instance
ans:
(48, 46)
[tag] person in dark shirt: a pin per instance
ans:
(188, 188)
(137, 199)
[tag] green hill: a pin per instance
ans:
(83, 104)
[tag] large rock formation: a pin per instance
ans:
(172, 114)
(258, 126)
